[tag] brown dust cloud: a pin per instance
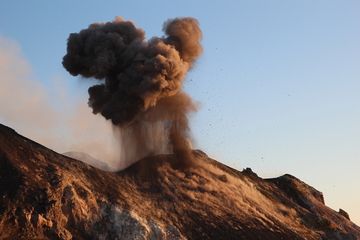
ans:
(139, 83)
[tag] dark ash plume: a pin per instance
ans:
(140, 80)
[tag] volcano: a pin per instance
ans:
(46, 195)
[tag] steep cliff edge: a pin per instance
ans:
(45, 195)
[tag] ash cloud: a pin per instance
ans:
(140, 82)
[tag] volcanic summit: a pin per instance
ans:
(46, 195)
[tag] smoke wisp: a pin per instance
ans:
(140, 82)
(49, 114)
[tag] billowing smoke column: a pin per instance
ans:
(140, 82)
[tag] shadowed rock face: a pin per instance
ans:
(45, 195)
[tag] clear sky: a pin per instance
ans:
(278, 81)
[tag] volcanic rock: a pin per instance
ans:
(344, 213)
(46, 195)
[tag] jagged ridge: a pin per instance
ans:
(45, 195)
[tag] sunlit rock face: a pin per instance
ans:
(45, 195)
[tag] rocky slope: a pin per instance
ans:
(45, 195)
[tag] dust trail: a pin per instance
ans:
(49, 115)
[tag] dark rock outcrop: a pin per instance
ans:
(344, 214)
(45, 195)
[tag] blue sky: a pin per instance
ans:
(278, 81)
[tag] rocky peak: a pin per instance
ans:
(46, 195)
